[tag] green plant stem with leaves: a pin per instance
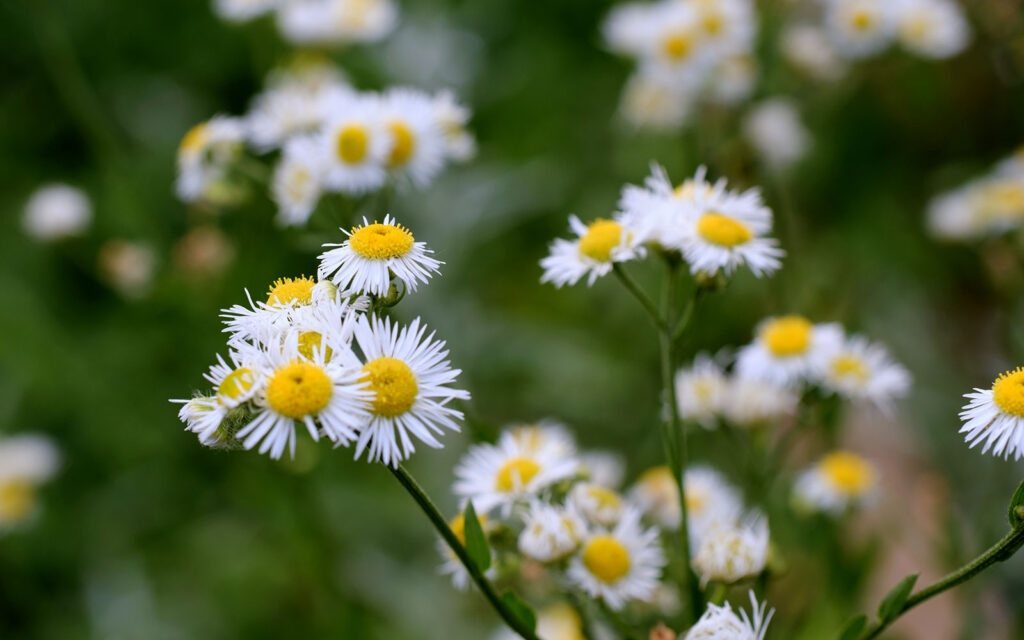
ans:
(514, 620)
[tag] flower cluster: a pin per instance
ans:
(713, 228)
(26, 462)
(990, 205)
(326, 137)
(686, 50)
(317, 353)
(318, 22)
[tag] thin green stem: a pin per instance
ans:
(1000, 551)
(684, 319)
(439, 522)
(623, 629)
(639, 294)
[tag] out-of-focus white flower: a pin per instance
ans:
(808, 49)
(932, 28)
(599, 505)
(27, 460)
(860, 28)
(604, 468)
(859, 370)
(550, 533)
(730, 553)
(243, 10)
(652, 102)
(786, 350)
(839, 481)
(205, 154)
(710, 499)
(701, 391)
(417, 144)
(733, 79)
(298, 181)
(128, 266)
(756, 402)
(722, 623)
(596, 249)
(336, 22)
(355, 144)
(995, 416)
(989, 205)
(452, 117)
(776, 132)
(56, 211)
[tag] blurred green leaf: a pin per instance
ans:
(520, 609)
(853, 628)
(1016, 504)
(897, 597)
(476, 541)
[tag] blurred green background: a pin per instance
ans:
(146, 534)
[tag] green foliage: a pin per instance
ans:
(853, 628)
(520, 609)
(1016, 510)
(476, 540)
(893, 602)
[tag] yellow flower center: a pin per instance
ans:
(393, 384)
(352, 143)
(723, 230)
(404, 145)
(606, 558)
(848, 366)
(299, 389)
(787, 336)
(310, 341)
(604, 497)
(194, 140)
(696, 501)
(297, 184)
(286, 290)
(516, 473)
(849, 473)
(677, 46)
(16, 500)
(1005, 196)
(601, 237)
(381, 241)
(235, 384)
(1008, 392)
(862, 20)
(712, 22)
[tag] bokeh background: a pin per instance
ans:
(146, 534)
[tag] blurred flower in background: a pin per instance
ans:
(57, 211)
(27, 461)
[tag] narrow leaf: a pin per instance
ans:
(1016, 518)
(893, 603)
(476, 541)
(853, 628)
(520, 610)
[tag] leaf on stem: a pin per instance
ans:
(476, 542)
(1016, 512)
(853, 628)
(893, 603)
(520, 610)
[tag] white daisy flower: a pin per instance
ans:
(650, 101)
(932, 28)
(603, 468)
(283, 111)
(243, 10)
(860, 28)
(234, 384)
(996, 416)
(550, 533)
(297, 182)
(732, 79)
(511, 472)
(408, 375)
(262, 321)
(710, 499)
(373, 254)
(727, 27)
(354, 143)
(660, 212)
(27, 460)
(452, 566)
(810, 50)
(545, 434)
(619, 566)
(730, 553)
(757, 402)
(787, 349)
(839, 481)
(205, 153)
(599, 505)
(417, 142)
(626, 30)
(673, 43)
(701, 391)
(336, 21)
(324, 395)
(597, 247)
(452, 117)
(955, 215)
(56, 211)
(774, 129)
(720, 622)
(859, 370)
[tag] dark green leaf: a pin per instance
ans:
(520, 610)
(893, 603)
(1016, 518)
(853, 628)
(476, 541)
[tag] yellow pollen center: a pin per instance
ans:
(606, 558)
(847, 366)
(393, 384)
(235, 384)
(862, 20)
(404, 144)
(381, 241)
(847, 472)
(723, 230)
(516, 473)
(605, 497)
(194, 140)
(602, 236)
(677, 46)
(310, 341)
(352, 143)
(1008, 392)
(16, 500)
(696, 501)
(787, 336)
(712, 23)
(1006, 196)
(299, 389)
(286, 290)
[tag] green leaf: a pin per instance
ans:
(520, 610)
(853, 628)
(1016, 504)
(476, 541)
(893, 603)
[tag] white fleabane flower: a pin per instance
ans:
(839, 481)
(243, 10)
(511, 472)
(205, 153)
(809, 49)
(592, 254)
(720, 622)
(336, 21)
(452, 117)
(701, 391)
(264, 320)
(757, 402)
(672, 43)
(372, 253)
(599, 505)
(543, 435)
(995, 416)
(604, 468)
(954, 215)
(932, 28)
(776, 132)
(354, 143)
(550, 533)
(298, 181)
(417, 144)
(283, 111)
(56, 211)
(234, 384)
(625, 29)
(729, 553)
(651, 101)
(860, 370)
(27, 460)
(727, 27)
(733, 79)
(787, 349)
(620, 566)
(860, 28)
(710, 499)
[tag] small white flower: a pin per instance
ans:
(417, 143)
(701, 391)
(264, 321)
(354, 143)
(373, 253)
(733, 79)
(619, 566)
(860, 28)
(776, 132)
(550, 533)
(651, 101)
(756, 402)
(720, 622)
(297, 182)
(787, 349)
(452, 117)
(860, 370)
(604, 468)
(810, 50)
(839, 481)
(205, 153)
(234, 384)
(932, 28)
(730, 553)
(243, 10)
(283, 111)
(56, 211)
(599, 505)
(597, 247)
(336, 21)
(995, 416)
(26, 461)
(710, 499)
(128, 266)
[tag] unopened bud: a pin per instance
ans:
(711, 282)
(661, 632)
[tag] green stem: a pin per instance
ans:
(620, 625)
(1000, 551)
(639, 294)
(439, 522)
